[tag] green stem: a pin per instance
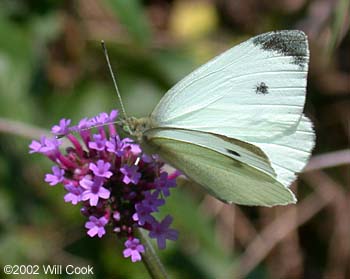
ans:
(150, 259)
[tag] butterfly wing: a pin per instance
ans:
(255, 93)
(225, 177)
(252, 92)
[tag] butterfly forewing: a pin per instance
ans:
(252, 92)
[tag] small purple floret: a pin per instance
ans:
(56, 177)
(116, 145)
(161, 231)
(152, 201)
(74, 194)
(163, 183)
(36, 146)
(130, 174)
(62, 128)
(143, 214)
(85, 123)
(98, 143)
(130, 144)
(104, 118)
(133, 249)
(96, 226)
(50, 146)
(93, 190)
(101, 169)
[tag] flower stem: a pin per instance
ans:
(150, 259)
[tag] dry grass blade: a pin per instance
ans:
(232, 222)
(340, 24)
(21, 129)
(286, 260)
(326, 190)
(329, 160)
(339, 246)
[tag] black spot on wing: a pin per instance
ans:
(261, 88)
(288, 42)
(234, 153)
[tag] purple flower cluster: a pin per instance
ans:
(116, 185)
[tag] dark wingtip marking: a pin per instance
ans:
(261, 88)
(233, 152)
(288, 42)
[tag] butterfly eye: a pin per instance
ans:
(126, 128)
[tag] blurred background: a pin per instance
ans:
(52, 66)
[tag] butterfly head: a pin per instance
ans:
(135, 127)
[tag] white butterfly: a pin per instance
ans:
(236, 125)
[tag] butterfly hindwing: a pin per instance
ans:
(290, 152)
(225, 178)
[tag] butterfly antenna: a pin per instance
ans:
(113, 77)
